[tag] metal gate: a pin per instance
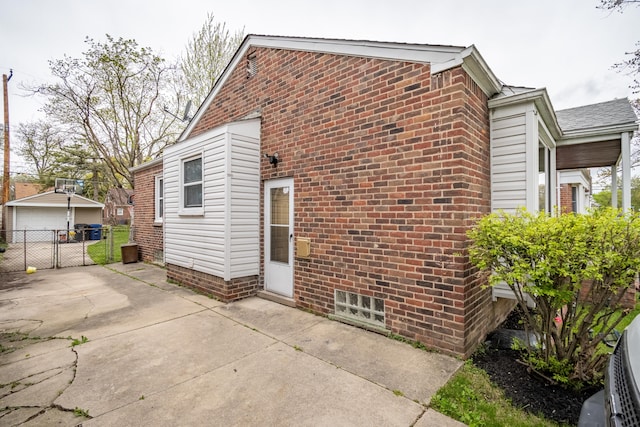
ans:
(45, 249)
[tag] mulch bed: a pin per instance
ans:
(528, 390)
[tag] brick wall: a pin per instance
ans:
(566, 200)
(226, 291)
(391, 167)
(147, 235)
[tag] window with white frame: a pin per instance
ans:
(159, 199)
(192, 183)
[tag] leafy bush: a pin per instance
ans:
(550, 258)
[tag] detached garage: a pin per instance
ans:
(47, 212)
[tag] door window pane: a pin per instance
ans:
(280, 206)
(280, 224)
(279, 243)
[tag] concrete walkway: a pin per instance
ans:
(152, 353)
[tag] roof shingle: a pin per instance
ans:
(603, 114)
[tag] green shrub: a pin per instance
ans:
(550, 258)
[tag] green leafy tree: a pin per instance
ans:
(549, 259)
(37, 143)
(111, 99)
(51, 155)
(603, 198)
(206, 55)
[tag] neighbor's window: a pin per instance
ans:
(159, 199)
(192, 183)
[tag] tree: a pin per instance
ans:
(111, 100)
(52, 155)
(206, 55)
(603, 198)
(550, 259)
(38, 143)
(631, 65)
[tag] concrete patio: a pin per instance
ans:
(158, 354)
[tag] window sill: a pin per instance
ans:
(191, 212)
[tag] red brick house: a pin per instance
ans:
(117, 206)
(341, 177)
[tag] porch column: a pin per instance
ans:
(614, 186)
(626, 171)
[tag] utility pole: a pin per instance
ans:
(7, 149)
(7, 146)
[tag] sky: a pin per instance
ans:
(566, 46)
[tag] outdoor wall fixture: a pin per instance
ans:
(273, 159)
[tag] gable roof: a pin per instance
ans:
(617, 112)
(53, 199)
(440, 57)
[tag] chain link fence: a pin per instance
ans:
(45, 249)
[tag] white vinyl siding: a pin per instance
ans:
(224, 240)
(245, 206)
(508, 159)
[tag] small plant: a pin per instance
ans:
(398, 393)
(297, 348)
(80, 341)
(79, 412)
(414, 344)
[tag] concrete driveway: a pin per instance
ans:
(119, 346)
(43, 255)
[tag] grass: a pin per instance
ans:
(100, 251)
(79, 412)
(630, 316)
(471, 398)
(76, 341)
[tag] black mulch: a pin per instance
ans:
(530, 391)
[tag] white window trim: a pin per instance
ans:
(157, 198)
(195, 211)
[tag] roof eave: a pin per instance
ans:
(475, 65)
(146, 165)
(541, 99)
(440, 57)
(600, 133)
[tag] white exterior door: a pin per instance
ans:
(278, 236)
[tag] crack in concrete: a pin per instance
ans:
(54, 372)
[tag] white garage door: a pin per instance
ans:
(37, 218)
